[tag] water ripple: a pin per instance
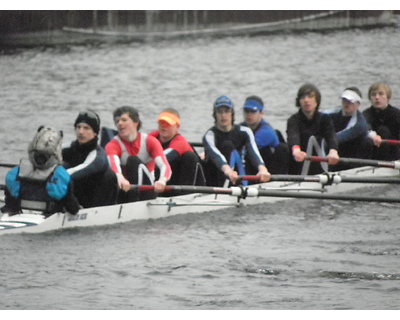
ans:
(360, 275)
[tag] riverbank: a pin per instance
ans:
(322, 22)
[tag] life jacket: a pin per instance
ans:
(38, 189)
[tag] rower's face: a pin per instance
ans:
(166, 130)
(349, 108)
(252, 117)
(125, 125)
(224, 116)
(379, 98)
(308, 102)
(84, 133)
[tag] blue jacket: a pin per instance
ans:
(264, 135)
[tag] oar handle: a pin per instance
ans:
(317, 159)
(249, 178)
(391, 142)
(143, 187)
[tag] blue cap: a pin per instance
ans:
(223, 101)
(254, 105)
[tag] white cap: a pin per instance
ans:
(351, 96)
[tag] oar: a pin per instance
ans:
(196, 144)
(326, 179)
(365, 162)
(248, 178)
(7, 165)
(391, 142)
(244, 192)
(322, 196)
(185, 189)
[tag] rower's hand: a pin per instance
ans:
(377, 140)
(299, 155)
(159, 186)
(333, 157)
(123, 183)
(263, 175)
(232, 175)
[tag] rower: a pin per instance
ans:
(384, 122)
(41, 183)
(270, 142)
(224, 144)
(133, 156)
(95, 184)
(185, 163)
(307, 128)
(351, 129)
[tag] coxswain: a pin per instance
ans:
(41, 183)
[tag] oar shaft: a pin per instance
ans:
(334, 178)
(365, 162)
(185, 189)
(323, 196)
(8, 165)
(196, 144)
(244, 192)
(298, 178)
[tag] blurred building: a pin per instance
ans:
(17, 27)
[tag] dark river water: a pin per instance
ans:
(294, 255)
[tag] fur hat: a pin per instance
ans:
(45, 148)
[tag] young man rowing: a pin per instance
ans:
(134, 155)
(224, 145)
(351, 129)
(307, 128)
(184, 162)
(94, 182)
(384, 122)
(274, 152)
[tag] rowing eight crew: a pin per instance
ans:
(96, 178)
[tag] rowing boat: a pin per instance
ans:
(206, 199)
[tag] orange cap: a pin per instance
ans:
(169, 117)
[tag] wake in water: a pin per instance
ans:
(360, 275)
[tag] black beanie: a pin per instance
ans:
(91, 118)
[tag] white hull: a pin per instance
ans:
(165, 207)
